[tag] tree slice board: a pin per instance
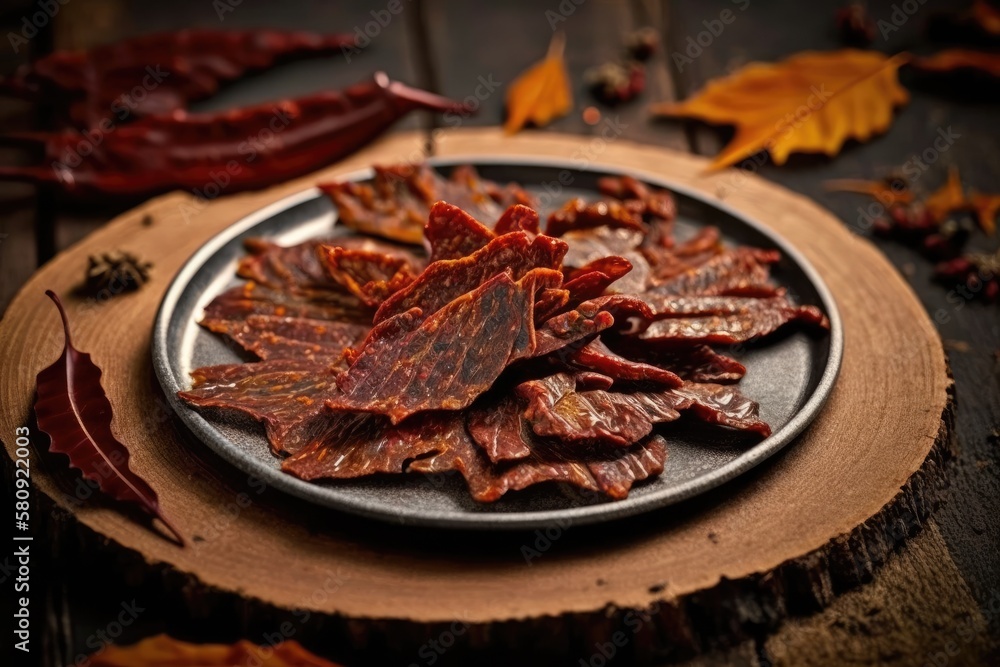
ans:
(784, 539)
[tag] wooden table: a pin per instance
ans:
(940, 593)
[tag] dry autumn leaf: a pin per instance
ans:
(950, 60)
(542, 93)
(882, 191)
(164, 651)
(951, 198)
(811, 102)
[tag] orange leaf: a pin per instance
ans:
(880, 190)
(985, 16)
(986, 207)
(542, 93)
(950, 198)
(811, 102)
(164, 651)
(950, 60)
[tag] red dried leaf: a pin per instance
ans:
(73, 410)
(164, 651)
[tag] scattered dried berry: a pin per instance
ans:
(615, 83)
(854, 26)
(642, 44)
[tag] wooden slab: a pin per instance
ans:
(783, 539)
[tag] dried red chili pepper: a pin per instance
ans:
(173, 69)
(229, 151)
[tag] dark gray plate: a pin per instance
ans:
(791, 376)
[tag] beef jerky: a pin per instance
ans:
(410, 364)
(576, 214)
(588, 245)
(274, 337)
(240, 302)
(667, 263)
(396, 202)
(498, 426)
(551, 300)
(592, 279)
(655, 203)
(609, 472)
(253, 299)
(285, 394)
(739, 272)
(596, 356)
(348, 445)
(558, 408)
(452, 233)
(517, 218)
(698, 363)
(568, 328)
(370, 276)
(754, 323)
(280, 267)
(444, 281)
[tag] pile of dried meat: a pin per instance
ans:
(509, 355)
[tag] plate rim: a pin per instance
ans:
(208, 435)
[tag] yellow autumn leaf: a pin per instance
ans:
(811, 102)
(542, 92)
(164, 651)
(951, 198)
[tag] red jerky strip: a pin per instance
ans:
(272, 337)
(739, 272)
(667, 263)
(610, 473)
(699, 363)
(517, 218)
(251, 299)
(550, 301)
(557, 408)
(594, 278)
(452, 233)
(285, 394)
(568, 328)
(294, 267)
(731, 329)
(594, 244)
(371, 276)
(499, 427)
(396, 203)
(410, 364)
(445, 281)
(576, 214)
(348, 445)
(596, 356)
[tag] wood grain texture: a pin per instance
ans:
(784, 539)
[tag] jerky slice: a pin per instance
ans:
(611, 473)
(347, 445)
(452, 233)
(410, 364)
(518, 218)
(275, 337)
(739, 272)
(285, 394)
(370, 276)
(444, 281)
(732, 329)
(576, 214)
(500, 429)
(596, 356)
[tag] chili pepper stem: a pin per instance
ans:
(421, 98)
